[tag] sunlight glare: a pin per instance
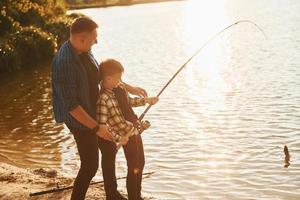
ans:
(203, 19)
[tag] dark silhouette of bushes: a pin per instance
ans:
(38, 46)
(30, 32)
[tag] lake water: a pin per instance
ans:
(219, 129)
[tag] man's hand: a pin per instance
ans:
(136, 91)
(105, 134)
(123, 141)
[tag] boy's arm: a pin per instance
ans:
(122, 127)
(137, 101)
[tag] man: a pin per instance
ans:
(75, 91)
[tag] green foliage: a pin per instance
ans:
(27, 47)
(9, 57)
(37, 45)
(30, 31)
(59, 28)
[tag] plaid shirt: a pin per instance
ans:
(110, 114)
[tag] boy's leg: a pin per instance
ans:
(134, 153)
(108, 163)
(87, 146)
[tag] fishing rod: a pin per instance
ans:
(71, 187)
(212, 38)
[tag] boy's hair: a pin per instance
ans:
(109, 67)
(83, 24)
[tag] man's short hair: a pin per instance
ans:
(109, 67)
(83, 24)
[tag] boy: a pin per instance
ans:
(114, 111)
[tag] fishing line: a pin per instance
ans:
(204, 45)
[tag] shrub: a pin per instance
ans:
(36, 46)
(6, 24)
(30, 31)
(59, 28)
(9, 57)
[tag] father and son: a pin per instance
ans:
(98, 118)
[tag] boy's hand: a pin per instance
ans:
(151, 100)
(142, 126)
(145, 125)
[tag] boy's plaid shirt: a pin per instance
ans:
(110, 114)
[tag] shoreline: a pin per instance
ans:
(105, 5)
(19, 183)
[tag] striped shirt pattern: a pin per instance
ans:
(69, 87)
(110, 114)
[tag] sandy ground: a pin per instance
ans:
(17, 183)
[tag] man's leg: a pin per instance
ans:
(134, 153)
(87, 146)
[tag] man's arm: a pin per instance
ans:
(135, 90)
(84, 118)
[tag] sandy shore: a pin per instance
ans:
(17, 183)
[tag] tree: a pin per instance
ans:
(30, 31)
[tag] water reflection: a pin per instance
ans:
(29, 136)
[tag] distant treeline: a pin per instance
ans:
(99, 2)
(31, 31)
(79, 4)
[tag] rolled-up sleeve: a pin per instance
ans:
(136, 101)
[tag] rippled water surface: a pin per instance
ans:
(219, 129)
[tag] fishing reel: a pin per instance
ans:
(143, 125)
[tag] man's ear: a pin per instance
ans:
(82, 37)
(82, 40)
